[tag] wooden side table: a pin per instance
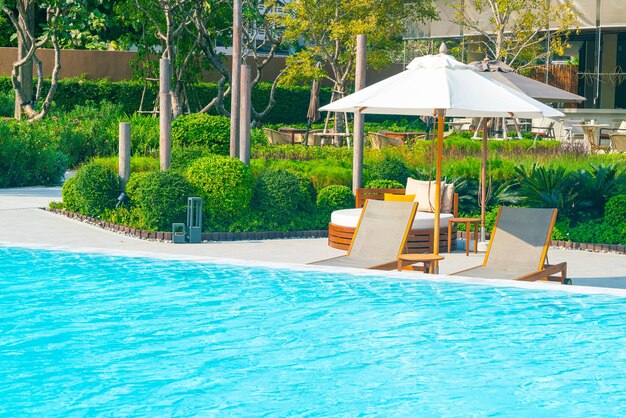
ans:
(427, 260)
(468, 222)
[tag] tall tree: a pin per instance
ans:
(328, 29)
(62, 23)
(519, 33)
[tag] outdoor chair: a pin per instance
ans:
(595, 147)
(616, 129)
(618, 142)
(543, 131)
(518, 249)
(378, 140)
(380, 236)
(276, 138)
(572, 130)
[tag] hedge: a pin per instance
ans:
(291, 103)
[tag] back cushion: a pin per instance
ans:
(424, 192)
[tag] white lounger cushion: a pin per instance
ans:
(423, 220)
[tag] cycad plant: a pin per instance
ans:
(595, 186)
(547, 188)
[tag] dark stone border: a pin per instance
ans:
(206, 236)
(598, 248)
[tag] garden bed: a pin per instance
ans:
(206, 236)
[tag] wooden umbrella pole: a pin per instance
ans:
(483, 183)
(440, 116)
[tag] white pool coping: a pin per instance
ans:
(405, 275)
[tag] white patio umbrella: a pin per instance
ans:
(442, 86)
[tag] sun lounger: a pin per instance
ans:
(518, 248)
(380, 236)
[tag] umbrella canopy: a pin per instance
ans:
(313, 114)
(441, 85)
(441, 82)
(504, 74)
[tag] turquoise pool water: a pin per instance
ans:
(101, 335)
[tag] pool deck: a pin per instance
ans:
(23, 223)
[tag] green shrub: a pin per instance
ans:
(309, 191)
(615, 210)
(212, 132)
(160, 198)
(86, 131)
(225, 185)
(280, 197)
(28, 159)
(183, 157)
(7, 104)
(138, 164)
(335, 197)
(97, 189)
(144, 132)
(69, 194)
(390, 168)
(384, 184)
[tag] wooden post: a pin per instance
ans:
(234, 81)
(165, 115)
(359, 119)
(124, 153)
(245, 115)
(440, 119)
(483, 184)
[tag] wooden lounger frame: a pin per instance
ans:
(419, 241)
(545, 271)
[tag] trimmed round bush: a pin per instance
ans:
(615, 210)
(280, 197)
(308, 189)
(160, 197)
(183, 157)
(211, 132)
(390, 168)
(97, 189)
(335, 197)
(69, 195)
(384, 184)
(225, 185)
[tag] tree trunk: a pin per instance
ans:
(25, 72)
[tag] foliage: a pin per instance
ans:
(97, 189)
(225, 185)
(615, 210)
(137, 164)
(86, 131)
(183, 157)
(515, 32)
(595, 186)
(391, 169)
(27, 159)
(334, 197)
(160, 198)
(144, 132)
(329, 29)
(547, 188)
(291, 105)
(69, 195)
(7, 104)
(280, 196)
(211, 132)
(384, 184)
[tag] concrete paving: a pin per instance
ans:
(23, 223)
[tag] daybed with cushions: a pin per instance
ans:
(420, 240)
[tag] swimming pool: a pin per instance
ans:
(96, 334)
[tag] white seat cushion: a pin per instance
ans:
(423, 220)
